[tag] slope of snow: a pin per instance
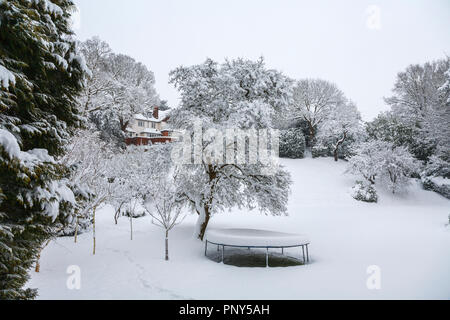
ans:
(405, 236)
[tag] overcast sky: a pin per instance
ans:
(359, 45)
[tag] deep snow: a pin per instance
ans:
(405, 235)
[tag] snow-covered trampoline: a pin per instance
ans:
(252, 238)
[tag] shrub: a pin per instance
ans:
(437, 184)
(292, 143)
(320, 150)
(364, 192)
(394, 165)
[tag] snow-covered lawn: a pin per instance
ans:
(406, 236)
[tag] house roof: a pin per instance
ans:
(162, 115)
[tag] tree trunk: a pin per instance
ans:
(206, 209)
(117, 214)
(312, 134)
(123, 125)
(93, 230)
(76, 231)
(167, 245)
(336, 148)
(204, 223)
(131, 226)
(38, 265)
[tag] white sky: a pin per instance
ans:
(339, 41)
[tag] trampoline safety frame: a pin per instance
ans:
(304, 246)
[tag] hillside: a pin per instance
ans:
(405, 235)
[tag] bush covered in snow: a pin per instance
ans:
(397, 167)
(380, 159)
(436, 175)
(437, 184)
(325, 149)
(364, 192)
(320, 150)
(438, 166)
(292, 143)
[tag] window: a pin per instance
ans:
(141, 123)
(153, 125)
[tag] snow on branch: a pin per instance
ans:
(6, 77)
(49, 6)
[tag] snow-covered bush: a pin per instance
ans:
(364, 192)
(438, 166)
(292, 143)
(320, 150)
(436, 175)
(373, 159)
(439, 185)
(397, 167)
(366, 160)
(325, 149)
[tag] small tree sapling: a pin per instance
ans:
(165, 208)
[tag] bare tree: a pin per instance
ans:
(164, 207)
(133, 173)
(341, 124)
(313, 100)
(89, 156)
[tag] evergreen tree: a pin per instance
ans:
(40, 75)
(292, 143)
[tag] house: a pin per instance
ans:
(149, 130)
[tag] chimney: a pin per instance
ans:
(155, 113)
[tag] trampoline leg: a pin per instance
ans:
(282, 250)
(303, 252)
(267, 258)
(307, 253)
(223, 250)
